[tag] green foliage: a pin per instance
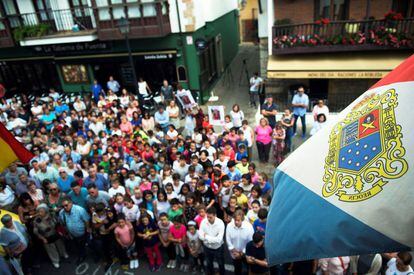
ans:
(23, 32)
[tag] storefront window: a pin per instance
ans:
(75, 73)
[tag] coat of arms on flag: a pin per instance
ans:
(365, 150)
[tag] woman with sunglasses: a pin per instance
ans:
(54, 199)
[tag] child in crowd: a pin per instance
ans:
(178, 236)
(195, 247)
(148, 231)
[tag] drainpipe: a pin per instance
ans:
(270, 21)
(183, 42)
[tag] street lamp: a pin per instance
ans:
(124, 28)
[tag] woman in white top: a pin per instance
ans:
(124, 100)
(318, 124)
(111, 96)
(143, 87)
(83, 147)
(237, 116)
(174, 112)
(148, 122)
(320, 108)
(79, 105)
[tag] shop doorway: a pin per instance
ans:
(153, 71)
(29, 77)
(318, 89)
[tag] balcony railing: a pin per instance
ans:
(340, 36)
(147, 19)
(52, 22)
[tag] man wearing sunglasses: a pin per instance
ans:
(76, 221)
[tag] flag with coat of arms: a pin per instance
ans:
(349, 190)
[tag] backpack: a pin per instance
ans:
(364, 263)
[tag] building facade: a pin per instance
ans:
(66, 44)
(337, 49)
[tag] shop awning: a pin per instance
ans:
(338, 65)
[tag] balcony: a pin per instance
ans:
(53, 26)
(343, 36)
(85, 24)
(147, 19)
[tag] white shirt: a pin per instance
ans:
(334, 266)
(255, 84)
(392, 268)
(112, 191)
(142, 88)
(238, 237)
(248, 135)
(212, 234)
(237, 118)
(96, 127)
(131, 214)
(320, 110)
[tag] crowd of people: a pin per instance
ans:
(124, 184)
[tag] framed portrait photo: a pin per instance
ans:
(216, 115)
(73, 74)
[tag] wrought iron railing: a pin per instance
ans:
(343, 35)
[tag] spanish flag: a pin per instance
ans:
(11, 150)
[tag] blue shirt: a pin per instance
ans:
(297, 99)
(80, 199)
(259, 226)
(49, 118)
(75, 157)
(61, 108)
(162, 119)
(100, 181)
(113, 86)
(235, 175)
(75, 220)
(64, 185)
(96, 90)
(266, 188)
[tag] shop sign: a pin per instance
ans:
(158, 56)
(338, 75)
(71, 48)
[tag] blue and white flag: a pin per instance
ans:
(349, 190)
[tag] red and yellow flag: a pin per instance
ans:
(11, 150)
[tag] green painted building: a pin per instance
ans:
(66, 44)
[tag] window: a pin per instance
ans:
(333, 9)
(75, 74)
(149, 8)
(103, 10)
(405, 7)
(182, 74)
(11, 11)
(133, 10)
